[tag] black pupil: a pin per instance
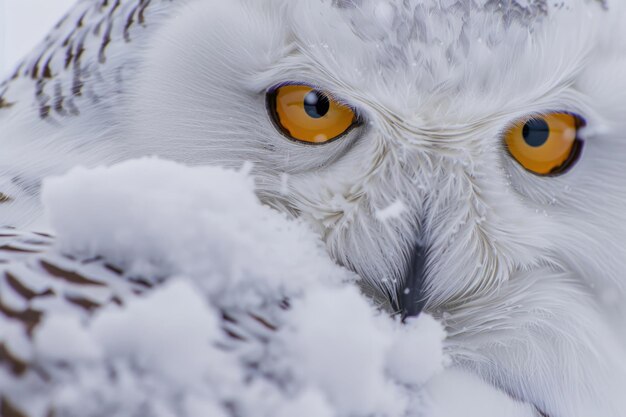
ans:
(536, 132)
(316, 104)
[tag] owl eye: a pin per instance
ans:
(546, 145)
(307, 115)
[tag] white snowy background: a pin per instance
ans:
(23, 23)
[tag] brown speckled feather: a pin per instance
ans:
(35, 280)
(96, 40)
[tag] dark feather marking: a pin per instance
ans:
(42, 98)
(10, 248)
(129, 22)
(83, 303)
(98, 27)
(16, 366)
(80, 50)
(69, 276)
(23, 290)
(35, 242)
(44, 111)
(29, 317)
(107, 34)
(141, 283)
(234, 335)
(105, 42)
(143, 5)
(7, 409)
(69, 55)
(39, 88)
(28, 185)
(227, 317)
(16, 74)
(34, 73)
(69, 37)
(79, 24)
(61, 21)
(114, 269)
(96, 19)
(58, 99)
(5, 105)
(264, 322)
(77, 84)
(115, 7)
(47, 73)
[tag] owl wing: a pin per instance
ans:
(37, 282)
(86, 57)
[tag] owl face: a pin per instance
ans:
(486, 138)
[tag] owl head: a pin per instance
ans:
(484, 136)
(465, 157)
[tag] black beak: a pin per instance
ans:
(411, 296)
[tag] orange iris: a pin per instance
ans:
(545, 144)
(308, 115)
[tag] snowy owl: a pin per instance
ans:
(464, 157)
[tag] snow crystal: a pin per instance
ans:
(393, 211)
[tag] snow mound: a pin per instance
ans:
(155, 218)
(248, 315)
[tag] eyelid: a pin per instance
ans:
(328, 92)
